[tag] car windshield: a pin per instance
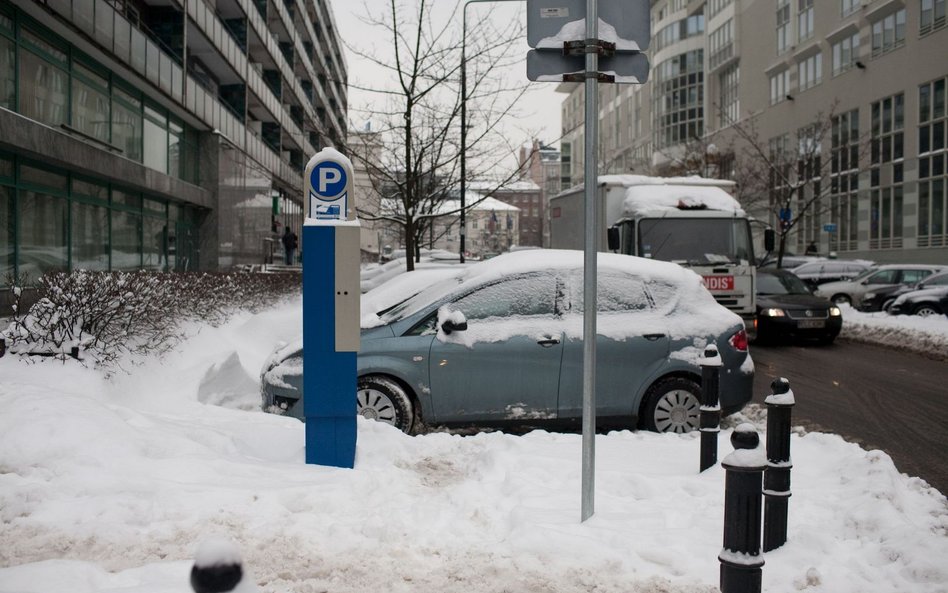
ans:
(696, 241)
(864, 274)
(780, 284)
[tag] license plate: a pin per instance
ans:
(719, 283)
(811, 323)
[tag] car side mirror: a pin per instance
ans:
(454, 325)
(612, 238)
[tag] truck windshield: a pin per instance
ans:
(695, 241)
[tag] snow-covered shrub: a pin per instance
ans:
(103, 316)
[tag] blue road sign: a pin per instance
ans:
(830, 227)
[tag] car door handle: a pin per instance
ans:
(653, 337)
(547, 342)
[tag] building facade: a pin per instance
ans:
(161, 135)
(876, 67)
(540, 164)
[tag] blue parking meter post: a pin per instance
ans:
(330, 310)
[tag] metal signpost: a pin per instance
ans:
(330, 310)
(564, 32)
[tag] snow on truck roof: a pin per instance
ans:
(646, 195)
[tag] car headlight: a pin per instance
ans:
(772, 313)
(835, 312)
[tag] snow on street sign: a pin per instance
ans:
(623, 22)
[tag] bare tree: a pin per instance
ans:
(795, 177)
(414, 161)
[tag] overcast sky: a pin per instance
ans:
(541, 106)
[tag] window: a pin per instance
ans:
(90, 103)
(844, 180)
(717, 6)
(810, 71)
(528, 296)
(933, 163)
(155, 139)
(42, 233)
(678, 99)
(849, 6)
(886, 173)
(90, 236)
(7, 71)
(721, 44)
(884, 277)
(6, 231)
(845, 54)
(729, 103)
(127, 124)
(783, 26)
(44, 82)
(779, 87)
(888, 33)
(804, 19)
(933, 16)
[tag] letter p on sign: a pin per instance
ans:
(328, 177)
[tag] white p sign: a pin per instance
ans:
(329, 179)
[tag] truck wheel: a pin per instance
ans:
(380, 398)
(672, 405)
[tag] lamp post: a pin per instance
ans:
(464, 111)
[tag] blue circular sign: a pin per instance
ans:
(328, 180)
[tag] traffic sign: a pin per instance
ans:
(627, 23)
(547, 66)
(328, 177)
(830, 227)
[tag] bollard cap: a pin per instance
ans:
(711, 358)
(748, 453)
(781, 394)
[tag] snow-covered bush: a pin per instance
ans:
(103, 316)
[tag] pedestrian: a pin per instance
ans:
(812, 249)
(290, 243)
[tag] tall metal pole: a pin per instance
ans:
(464, 115)
(589, 262)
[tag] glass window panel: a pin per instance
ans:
(104, 17)
(923, 209)
(129, 199)
(39, 44)
(90, 237)
(938, 99)
(938, 207)
(6, 233)
(7, 73)
(44, 89)
(126, 240)
(122, 39)
(175, 153)
(90, 110)
(42, 233)
(83, 11)
(156, 145)
(938, 136)
(154, 254)
(127, 129)
(138, 51)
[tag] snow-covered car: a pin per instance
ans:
(501, 343)
(924, 299)
(831, 270)
(852, 291)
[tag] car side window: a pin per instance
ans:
(884, 277)
(524, 296)
(914, 276)
(615, 292)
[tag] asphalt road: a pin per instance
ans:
(880, 398)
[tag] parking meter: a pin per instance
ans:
(330, 310)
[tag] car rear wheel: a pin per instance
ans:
(927, 310)
(380, 398)
(672, 405)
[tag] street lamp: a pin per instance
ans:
(464, 110)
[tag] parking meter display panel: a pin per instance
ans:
(505, 365)
(631, 343)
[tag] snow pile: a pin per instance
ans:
(927, 336)
(110, 485)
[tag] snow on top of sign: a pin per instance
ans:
(576, 30)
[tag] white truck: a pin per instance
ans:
(691, 221)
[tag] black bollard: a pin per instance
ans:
(741, 558)
(777, 474)
(710, 420)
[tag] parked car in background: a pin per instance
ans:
(787, 309)
(501, 344)
(373, 275)
(883, 298)
(873, 279)
(830, 270)
(924, 298)
(789, 262)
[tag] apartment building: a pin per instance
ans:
(157, 134)
(541, 164)
(876, 67)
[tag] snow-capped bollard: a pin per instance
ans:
(777, 474)
(218, 568)
(710, 420)
(741, 558)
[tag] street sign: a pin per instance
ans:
(328, 177)
(830, 227)
(627, 23)
(548, 66)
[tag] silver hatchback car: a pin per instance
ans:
(501, 344)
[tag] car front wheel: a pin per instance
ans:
(672, 405)
(841, 298)
(380, 398)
